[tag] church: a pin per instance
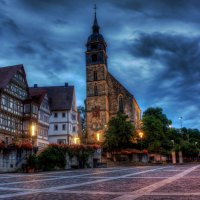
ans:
(106, 96)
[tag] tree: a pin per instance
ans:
(156, 126)
(81, 110)
(119, 133)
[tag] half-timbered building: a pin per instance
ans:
(13, 93)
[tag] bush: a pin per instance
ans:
(32, 161)
(51, 158)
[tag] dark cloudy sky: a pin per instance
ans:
(153, 47)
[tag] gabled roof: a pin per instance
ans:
(118, 83)
(6, 74)
(37, 94)
(60, 97)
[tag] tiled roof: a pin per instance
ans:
(60, 97)
(37, 94)
(6, 73)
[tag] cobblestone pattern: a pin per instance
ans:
(105, 184)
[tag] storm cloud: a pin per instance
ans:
(153, 47)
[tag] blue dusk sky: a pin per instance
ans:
(153, 47)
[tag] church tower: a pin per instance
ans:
(97, 110)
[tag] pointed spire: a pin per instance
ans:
(95, 26)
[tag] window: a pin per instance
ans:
(26, 108)
(63, 127)
(73, 117)
(55, 115)
(63, 115)
(94, 58)
(61, 141)
(74, 129)
(95, 76)
(95, 91)
(121, 104)
(55, 127)
(34, 109)
(94, 46)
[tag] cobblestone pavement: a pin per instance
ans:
(117, 183)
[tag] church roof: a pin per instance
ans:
(122, 87)
(60, 97)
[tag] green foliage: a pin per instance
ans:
(119, 133)
(159, 138)
(51, 158)
(54, 156)
(32, 161)
(155, 127)
(189, 149)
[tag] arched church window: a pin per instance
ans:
(95, 90)
(121, 104)
(94, 58)
(95, 75)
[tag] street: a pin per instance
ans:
(117, 183)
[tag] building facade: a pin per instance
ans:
(13, 92)
(63, 121)
(40, 97)
(22, 109)
(106, 96)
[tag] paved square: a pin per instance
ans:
(117, 183)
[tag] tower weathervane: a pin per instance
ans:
(95, 7)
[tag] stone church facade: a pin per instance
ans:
(106, 96)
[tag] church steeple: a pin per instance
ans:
(95, 26)
(96, 45)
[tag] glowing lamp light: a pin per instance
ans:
(141, 134)
(33, 130)
(98, 136)
(76, 140)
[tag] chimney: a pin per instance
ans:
(35, 86)
(66, 84)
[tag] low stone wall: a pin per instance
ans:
(12, 161)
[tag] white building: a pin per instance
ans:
(63, 121)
